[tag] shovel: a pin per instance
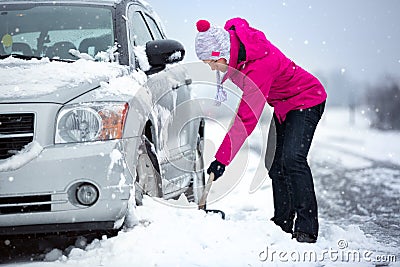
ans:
(203, 199)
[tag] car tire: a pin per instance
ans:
(148, 178)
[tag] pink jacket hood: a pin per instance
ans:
(248, 35)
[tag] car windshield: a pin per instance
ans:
(56, 31)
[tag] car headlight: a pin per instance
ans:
(91, 122)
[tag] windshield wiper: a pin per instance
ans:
(18, 56)
(30, 57)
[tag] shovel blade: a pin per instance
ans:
(203, 200)
(220, 212)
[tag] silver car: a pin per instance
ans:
(75, 155)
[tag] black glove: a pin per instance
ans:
(217, 168)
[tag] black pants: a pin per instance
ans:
(292, 181)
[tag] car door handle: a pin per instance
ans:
(187, 82)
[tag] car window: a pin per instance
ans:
(87, 29)
(154, 28)
(139, 33)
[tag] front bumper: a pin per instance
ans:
(55, 229)
(40, 196)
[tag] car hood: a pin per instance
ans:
(57, 82)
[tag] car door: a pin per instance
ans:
(174, 131)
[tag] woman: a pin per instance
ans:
(266, 75)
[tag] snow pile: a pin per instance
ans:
(140, 53)
(126, 85)
(167, 236)
(175, 56)
(80, 55)
(23, 78)
(110, 55)
(28, 153)
(53, 255)
(192, 239)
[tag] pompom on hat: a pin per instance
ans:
(203, 25)
(212, 43)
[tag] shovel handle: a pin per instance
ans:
(203, 199)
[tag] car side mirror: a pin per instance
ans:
(162, 52)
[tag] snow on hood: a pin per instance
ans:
(44, 81)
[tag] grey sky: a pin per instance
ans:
(358, 37)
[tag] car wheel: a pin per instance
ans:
(196, 187)
(148, 178)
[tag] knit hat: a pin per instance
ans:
(212, 43)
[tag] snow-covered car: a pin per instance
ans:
(95, 111)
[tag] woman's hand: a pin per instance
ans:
(217, 168)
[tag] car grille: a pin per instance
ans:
(25, 204)
(16, 131)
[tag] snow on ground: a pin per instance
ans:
(171, 236)
(356, 145)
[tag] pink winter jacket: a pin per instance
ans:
(266, 75)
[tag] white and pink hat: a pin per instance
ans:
(212, 42)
